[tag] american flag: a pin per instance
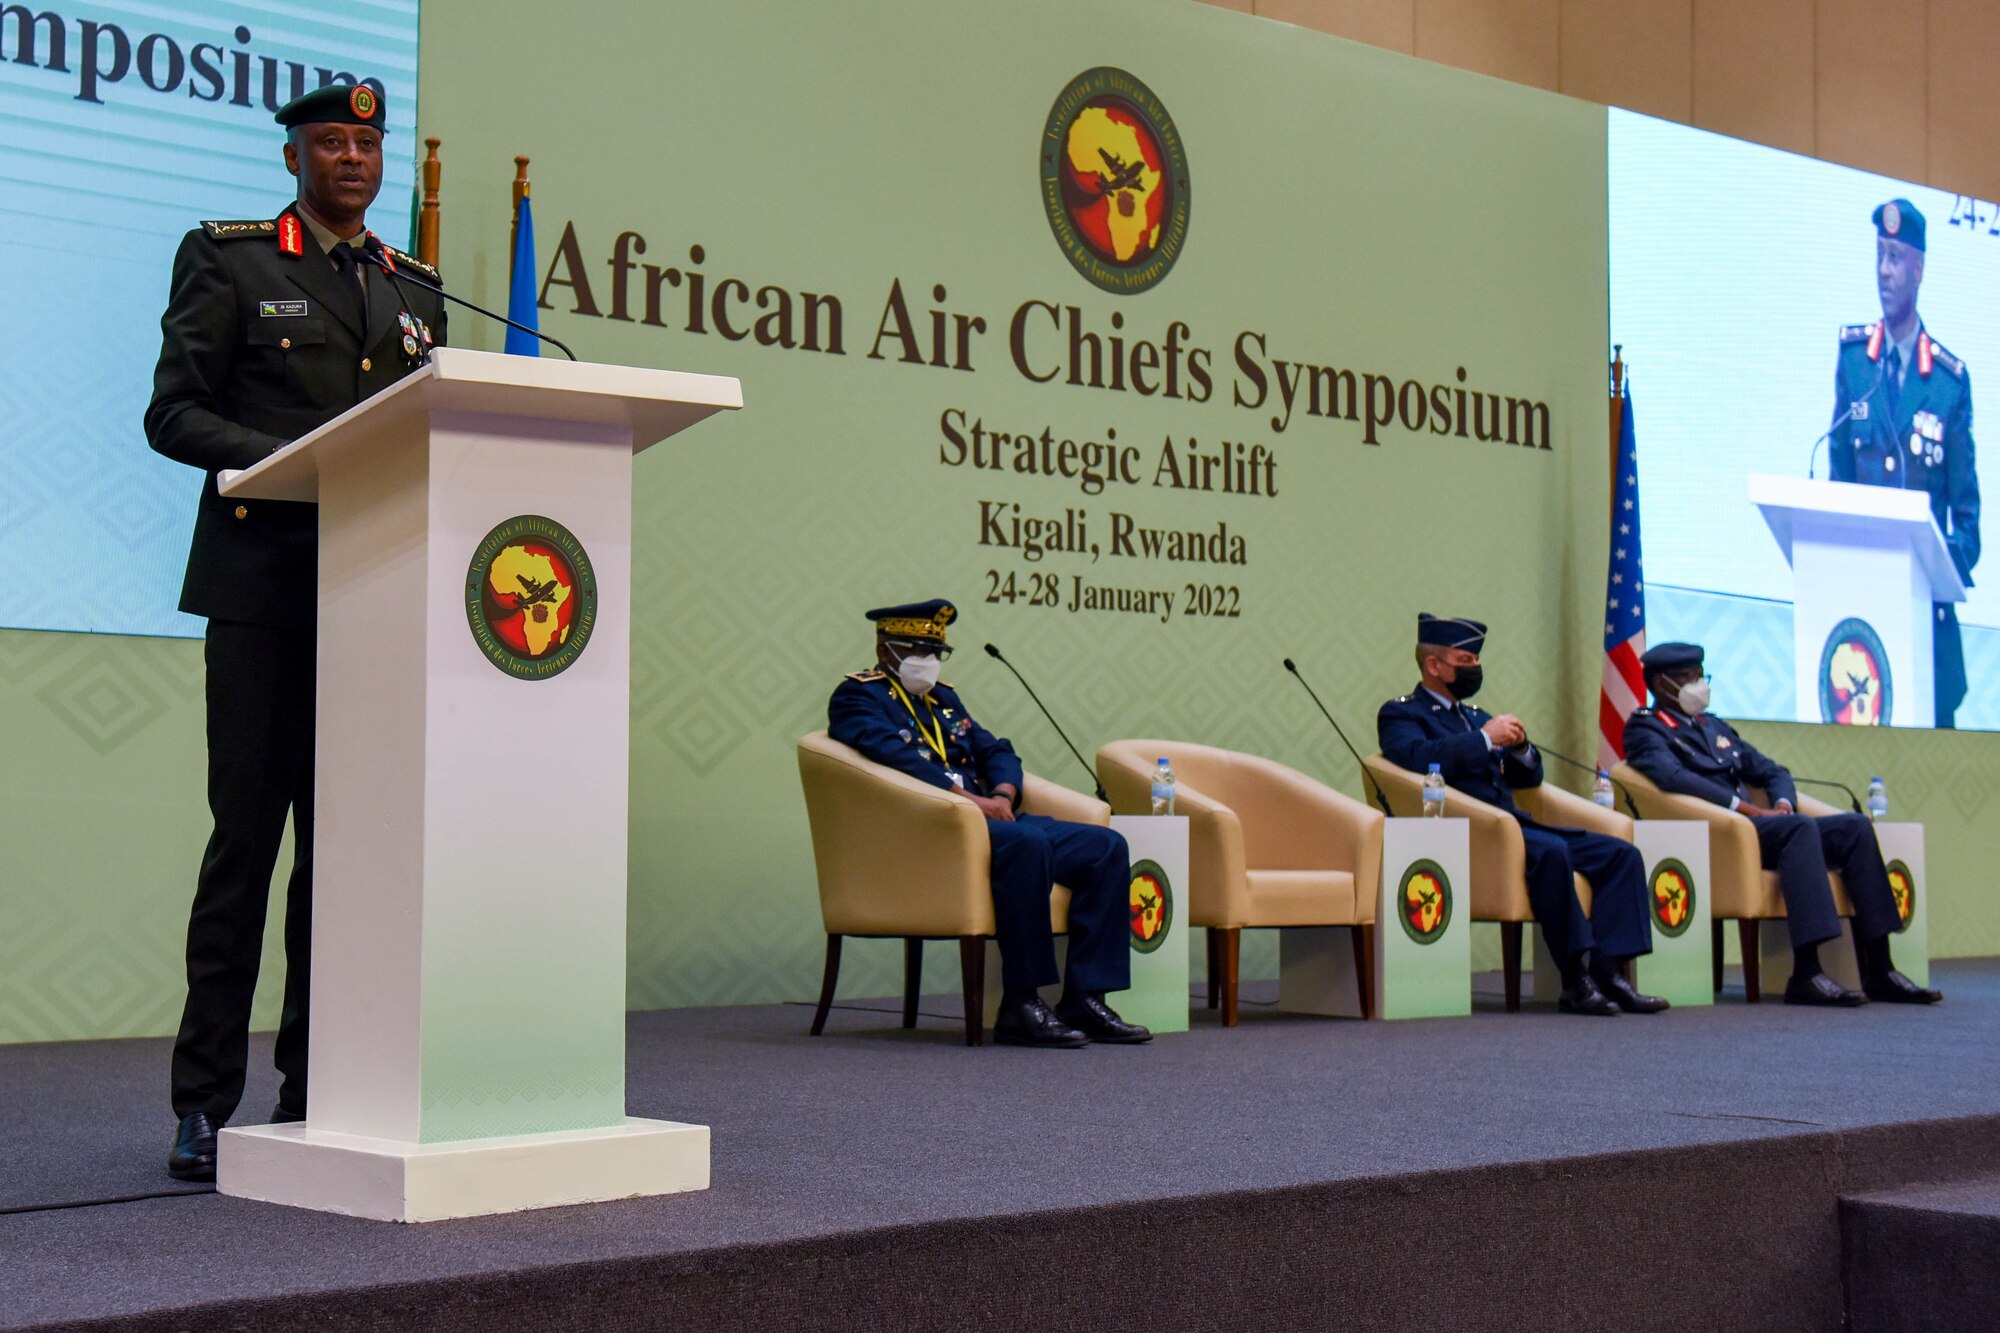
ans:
(1624, 604)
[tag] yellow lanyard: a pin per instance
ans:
(935, 742)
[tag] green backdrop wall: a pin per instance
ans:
(1350, 209)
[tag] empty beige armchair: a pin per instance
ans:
(1739, 887)
(1499, 855)
(1267, 846)
(900, 859)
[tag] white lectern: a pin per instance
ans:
(468, 988)
(1868, 563)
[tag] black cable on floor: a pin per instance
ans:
(99, 1203)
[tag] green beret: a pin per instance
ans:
(1899, 220)
(336, 104)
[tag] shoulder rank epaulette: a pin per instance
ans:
(1854, 333)
(865, 675)
(236, 231)
(1947, 360)
(403, 260)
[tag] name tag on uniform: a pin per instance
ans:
(280, 309)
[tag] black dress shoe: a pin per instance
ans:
(193, 1154)
(1585, 998)
(1098, 1021)
(1893, 987)
(281, 1116)
(1032, 1023)
(1627, 997)
(1821, 989)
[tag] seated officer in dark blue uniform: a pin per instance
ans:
(902, 715)
(1484, 756)
(1682, 749)
(1902, 411)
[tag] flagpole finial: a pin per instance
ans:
(428, 239)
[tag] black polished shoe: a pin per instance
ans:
(281, 1115)
(1894, 988)
(1095, 1019)
(1822, 990)
(193, 1154)
(1627, 997)
(1030, 1022)
(1585, 998)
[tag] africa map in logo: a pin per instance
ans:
(1115, 180)
(1903, 888)
(1672, 888)
(1152, 905)
(1854, 685)
(531, 597)
(1424, 902)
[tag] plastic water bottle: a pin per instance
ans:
(1878, 800)
(1601, 793)
(1434, 794)
(1163, 788)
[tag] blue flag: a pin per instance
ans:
(521, 295)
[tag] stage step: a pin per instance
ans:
(1922, 1257)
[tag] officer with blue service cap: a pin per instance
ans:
(1487, 758)
(901, 715)
(1902, 405)
(1683, 748)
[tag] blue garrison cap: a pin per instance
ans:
(1450, 632)
(1669, 657)
(1899, 220)
(925, 621)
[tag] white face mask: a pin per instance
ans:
(1693, 697)
(918, 672)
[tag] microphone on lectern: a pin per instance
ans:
(378, 255)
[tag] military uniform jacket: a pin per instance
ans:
(1701, 756)
(1925, 445)
(1418, 730)
(869, 714)
(262, 342)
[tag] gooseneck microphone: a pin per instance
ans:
(1593, 770)
(1812, 459)
(994, 653)
(1366, 777)
(1852, 799)
(377, 255)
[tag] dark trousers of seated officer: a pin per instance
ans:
(260, 772)
(1801, 848)
(1617, 927)
(1030, 856)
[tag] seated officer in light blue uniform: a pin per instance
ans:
(902, 715)
(1683, 749)
(1486, 756)
(1902, 410)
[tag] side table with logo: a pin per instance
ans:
(1681, 967)
(1423, 936)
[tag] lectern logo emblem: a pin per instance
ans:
(531, 597)
(1424, 897)
(1854, 685)
(1903, 888)
(1672, 886)
(1152, 906)
(1115, 180)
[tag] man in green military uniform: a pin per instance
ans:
(1902, 411)
(273, 328)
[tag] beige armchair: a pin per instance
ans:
(936, 885)
(1499, 855)
(1267, 846)
(1739, 887)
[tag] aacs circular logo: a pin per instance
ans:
(531, 597)
(1903, 888)
(1673, 891)
(1854, 685)
(1115, 180)
(1425, 898)
(1152, 906)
